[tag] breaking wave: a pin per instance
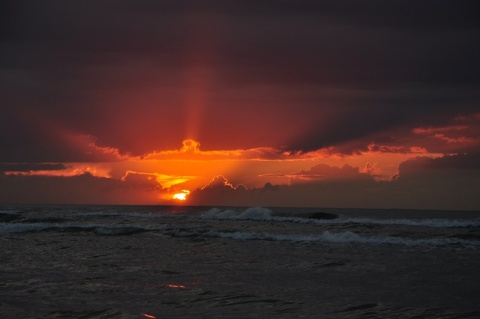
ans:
(329, 237)
(347, 237)
(435, 223)
(14, 228)
(265, 214)
(252, 213)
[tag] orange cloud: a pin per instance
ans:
(189, 167)
(218, 181)
(373, 147)
(433, 130)
(190, 150)
(454, 140)
(465, 133)
(73, 170)
(421, 184)
(156, 177)
(141, 180)
(165, 181)
(87, 144)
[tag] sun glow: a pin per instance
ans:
(182, 195)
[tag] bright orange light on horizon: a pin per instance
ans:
(181, 196)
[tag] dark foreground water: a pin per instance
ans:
(201, 262)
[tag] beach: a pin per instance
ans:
(171, 266)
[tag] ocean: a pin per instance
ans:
(237, 262)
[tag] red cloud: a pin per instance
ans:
(463, 135)
(326, 172)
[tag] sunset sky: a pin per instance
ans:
(338, 103)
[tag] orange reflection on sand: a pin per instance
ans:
(176, 286)
(146, 315)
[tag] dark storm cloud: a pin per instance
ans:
(343, 32)
(352, 127)
(79, 189)
(423, 183)
(326, 172)
(450, 163)
(26, 167)
(417, 60)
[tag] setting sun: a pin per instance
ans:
(182, 195)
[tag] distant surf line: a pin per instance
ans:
(264, 214)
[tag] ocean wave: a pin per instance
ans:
(9, 211)
(252, 213)
(99, 229)
(255, 214)
(434, 223)
(329, 237)
(13, 228)
(346, 237)
(8, 217)
(265, 214)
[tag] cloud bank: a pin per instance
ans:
(304, 96)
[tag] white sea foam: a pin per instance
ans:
(329, 237)
(435, 223)
(8, 211)
(188, 231)
(264, 214)
(252, 213)
(12, 228)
